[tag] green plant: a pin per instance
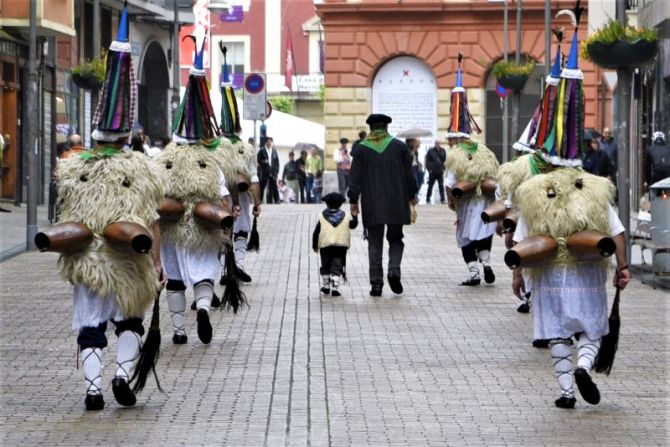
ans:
(282, 103)
(614, 31)
(91, 67)
(322, 93)
(503, 68)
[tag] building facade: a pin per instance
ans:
(401, 58)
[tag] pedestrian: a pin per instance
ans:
(302, 176)
(313, 164)
(381, 177)
(417, 168)
(111, 284)
(569, 294)
(657, 165)
(331, 239)
(596, 161)
(290, 173)
(268, 171)
(74, 146)
(609, 146)
(191, 246)
(436, 157)
(343, 164)
(286, 193)
(361, 136)
(474, 163)
(317, 187)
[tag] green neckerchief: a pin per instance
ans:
(377, 140)
(537, 164)
(212, 145)
(233, 138)
(100, 152)
(468, 146)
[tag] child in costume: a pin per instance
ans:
(472, 162)
(110, 186)
(332, 238)
(190, 247)
(569, 293)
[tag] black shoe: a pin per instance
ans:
(243, 276)
(565, 402)
(122, 392)
(325, 291)
(471, 282)
(223, 279)
(204, 326)
(336, 293)
(587, 388)
(396, 285)
(216, 302)
(376, 291)
(193, 306)
(94, 402)
(524, 308)
(540, 343)
(179, 339)
(489, 276)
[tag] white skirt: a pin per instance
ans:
(570, 299)
(91, 309)
(471, 227)
(189, 266)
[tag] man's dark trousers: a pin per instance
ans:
(432, 177)
(375, 250)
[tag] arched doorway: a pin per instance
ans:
(153, 93)
(405, 89)
(530, 95)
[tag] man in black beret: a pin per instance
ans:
(381, 175)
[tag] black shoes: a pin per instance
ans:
(587, 388)
(396, 285)
(243, 276)
(179, 339)
(216, 301)
(336, 293)
(204, 326)
(376, 291)
(540, 343)
(94, 402)
(523, 308)
(325, 291)
(489, 276)
(565, 402)
(472, 282)
(122, 392)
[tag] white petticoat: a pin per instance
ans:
(91, 309)
(568, 299)
(189, 266)
(470, 227)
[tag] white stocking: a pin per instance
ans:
(177, 306)
(91, 361)
(587, 350)
(474, 270)
(203, 292)
(335, 281)
(484, 256)
(240, 251)
(561, 357)
(127, 354)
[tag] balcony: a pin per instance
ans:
(54, 17)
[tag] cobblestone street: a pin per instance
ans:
(441, 365)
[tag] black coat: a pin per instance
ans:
(597, 163)
(266, 168)
(384, 182)
(435, 160)
(657, 166)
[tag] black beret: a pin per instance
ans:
(378, 118)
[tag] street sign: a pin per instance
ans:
(255, 96)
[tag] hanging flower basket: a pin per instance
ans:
(512, 76)
(513, 81)
(617, 46)
(87, 82)
(622, 53)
